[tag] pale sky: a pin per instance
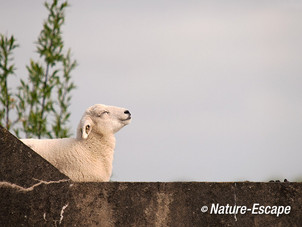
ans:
(214, 87)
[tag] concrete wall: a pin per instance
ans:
(34, 193)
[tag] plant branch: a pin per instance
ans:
(43, 99)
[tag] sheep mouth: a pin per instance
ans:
(127, 119)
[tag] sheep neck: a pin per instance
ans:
(100, 144)
(102, 149)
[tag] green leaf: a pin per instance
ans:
(46, 92)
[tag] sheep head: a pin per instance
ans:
(102, 120)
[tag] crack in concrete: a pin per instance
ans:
(44, 217)
(235, 200)
(5, 184)
(62, 212)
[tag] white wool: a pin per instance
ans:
(89, 156)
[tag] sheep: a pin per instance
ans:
(89, 156)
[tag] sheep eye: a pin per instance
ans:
(101, 114)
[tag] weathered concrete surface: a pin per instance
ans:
(21, 165)
(53, 200)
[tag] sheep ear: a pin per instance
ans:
(86, 129)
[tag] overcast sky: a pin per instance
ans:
(214, 87)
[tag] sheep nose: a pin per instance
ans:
(127, 112)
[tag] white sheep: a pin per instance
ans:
(89, 156)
